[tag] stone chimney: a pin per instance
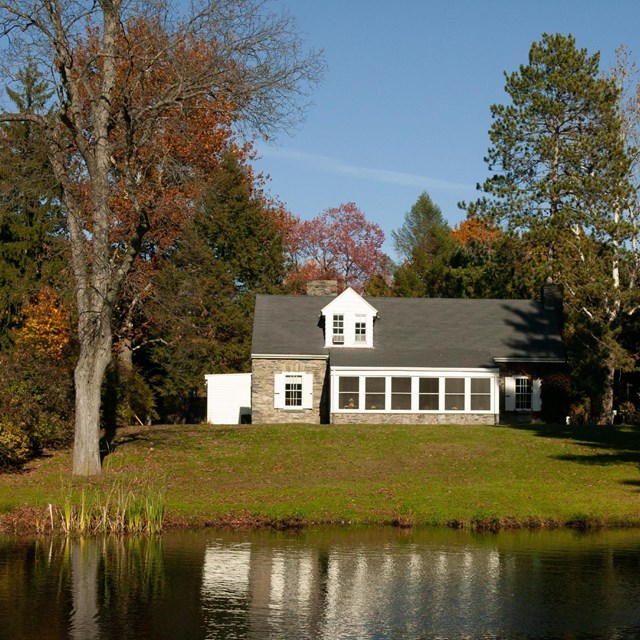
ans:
(322, 288)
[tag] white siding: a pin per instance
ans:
(228, 397)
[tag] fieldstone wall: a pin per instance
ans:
(262, 386)
(412, 418)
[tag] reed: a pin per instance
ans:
(119, 509)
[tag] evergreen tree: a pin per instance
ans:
(31, 242)
(561, 182)
(424, 241)
(202, 309)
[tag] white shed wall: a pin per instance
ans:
(228, 397)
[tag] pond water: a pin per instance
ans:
(323, 583)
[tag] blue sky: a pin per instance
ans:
(404, 106)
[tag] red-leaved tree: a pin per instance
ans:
(338, 244)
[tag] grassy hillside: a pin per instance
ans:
(456, 475)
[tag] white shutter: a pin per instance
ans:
(278, 390)
(536, 399)
(307, 391)
(509, 394)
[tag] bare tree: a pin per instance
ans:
(136, 82)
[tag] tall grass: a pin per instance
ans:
(119, 509)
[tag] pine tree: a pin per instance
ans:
(425, 243)
(31, 244)
(561, 181)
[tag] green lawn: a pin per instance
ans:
(363, 473)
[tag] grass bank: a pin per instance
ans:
(465, 476)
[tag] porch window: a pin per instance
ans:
(348, 392)
(429, 398)
(480, 394)
(374, 394)
(454, 394)
(401, 394)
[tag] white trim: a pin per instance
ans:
(531, 360)
(397, 371)
(415, 373)
(347, 294)
(288, 356)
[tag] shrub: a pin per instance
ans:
(628, 412)
(127, 399)
(36, 404)
(14, 445)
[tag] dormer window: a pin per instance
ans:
(349, 321)
(361, 329)
(338, 329)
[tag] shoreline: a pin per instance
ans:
(24, 521)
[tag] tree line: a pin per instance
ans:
(135, 233)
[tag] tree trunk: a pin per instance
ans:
(606, 413)
(89, 375)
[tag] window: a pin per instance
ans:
(348, 392)
(338, 329)
(480, 394)
(401, 394)
(361, 330)
(523, 394)
(293, 391)
(429, 398)
(374, 390)
(454, 394)
(407, 391)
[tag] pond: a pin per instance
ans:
(328, 583)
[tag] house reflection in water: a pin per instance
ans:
(344, 592)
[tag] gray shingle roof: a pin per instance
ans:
(414, 332)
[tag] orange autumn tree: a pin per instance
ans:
(142, 100)
(474, 230)
(36, 398)
(45, 329)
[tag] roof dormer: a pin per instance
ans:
(349, 321)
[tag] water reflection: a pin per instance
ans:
(85, 560)
(421, 588)
(331, 583)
